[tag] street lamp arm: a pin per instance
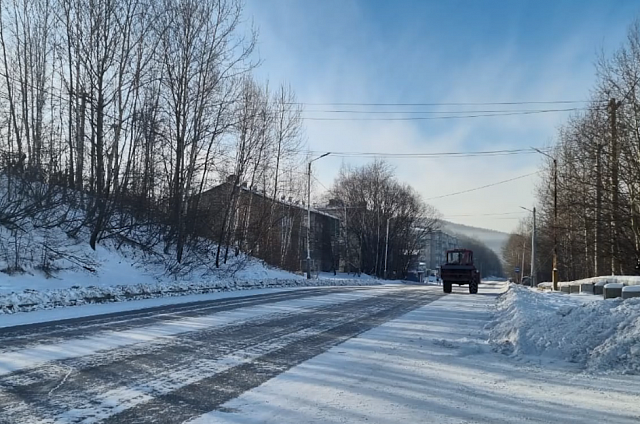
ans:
(543, 153)
(320, 157)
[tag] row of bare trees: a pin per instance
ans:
(598, 177)
(371, 198)
(140, 106)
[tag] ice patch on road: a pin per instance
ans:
(597, 335)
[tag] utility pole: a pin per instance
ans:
(554, 277)
(554, 272)
(346, 240)
(309, 223)
(386, 250)
(524, 246)
(533, 250)
(533, 246)
(597, 244)
(309, 214)
(615, 245)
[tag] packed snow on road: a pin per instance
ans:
(440, 364)
(383, 354)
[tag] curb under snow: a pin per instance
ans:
(31, 300)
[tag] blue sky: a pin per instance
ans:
(435, 51)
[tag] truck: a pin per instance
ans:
(459, 269)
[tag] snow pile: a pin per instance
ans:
(597, 335)
(30, 300)
(627, 280)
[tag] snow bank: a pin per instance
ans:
(128, 274)
(597, 335)
(30, 300)
(627, 280)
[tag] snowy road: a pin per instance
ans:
(171, 364)
(390, 354)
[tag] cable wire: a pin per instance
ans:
(431, 118)
(549, 102)
(483, 187)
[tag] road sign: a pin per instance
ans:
(517, 270)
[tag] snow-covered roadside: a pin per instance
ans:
(81, 311)
(627, 280)
(31, 300)
(593, 334)
(121, 278)
(435, 365)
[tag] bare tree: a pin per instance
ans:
(373, 198)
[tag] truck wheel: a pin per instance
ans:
(446, 287)
(473, 287)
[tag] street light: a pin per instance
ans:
(386, 249)
(309, 214)
(554, 274)
(533, 246)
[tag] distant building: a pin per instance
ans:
(269, 229)
(436, 244)
(347, 243)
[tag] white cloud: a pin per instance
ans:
(326, 72)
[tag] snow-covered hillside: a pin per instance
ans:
(495, 240)
(46, 260)
(129, 274)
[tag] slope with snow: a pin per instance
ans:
(495, 240)
(77, 275)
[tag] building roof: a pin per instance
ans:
(280, 201)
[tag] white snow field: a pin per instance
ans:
(436, 365)
(588, 332)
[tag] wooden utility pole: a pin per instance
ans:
(615, 244)
(554, 275)
(533, 250)
(597, 245)
(386, 250)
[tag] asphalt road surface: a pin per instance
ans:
(171, 364)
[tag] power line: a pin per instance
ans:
(488, 214)
(319, 182)
(550, 102)
(419, 156)
(434, 154)
(498, 217)
(483, 187)
(430, 118)
(433, 112)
